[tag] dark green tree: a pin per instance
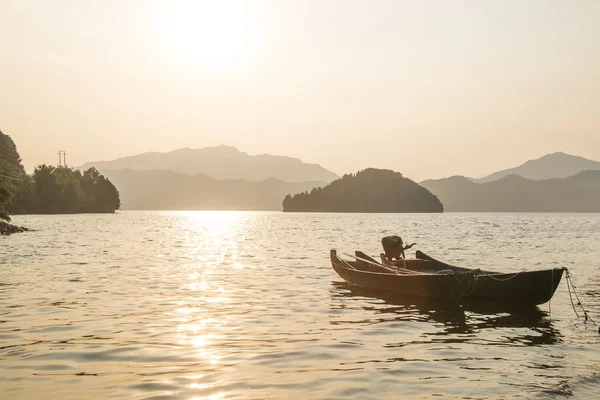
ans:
(66, 190)
(12, 174)
(48, 191)
(24, 200)
(73, 198)
(5, 197)
(89, 184)
(107, 196)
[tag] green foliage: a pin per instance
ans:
(24, 198)
(73, 197)
(47, 189)
(5, 196)
(51, 190)
(370, 190)
(12, 174)
(68, 191)
(107, 196)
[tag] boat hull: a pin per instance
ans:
(528, 288)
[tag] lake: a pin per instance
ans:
(172, 305)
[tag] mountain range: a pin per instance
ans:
(556, 182)
(221, 162)
(224, 178)
(513, 193)
(555, 165)
(168, 190)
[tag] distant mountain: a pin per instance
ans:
(513, 193)
(222, 162)
(167, 190)
(555, 165)
(368, 191)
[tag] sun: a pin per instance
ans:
(211, 35)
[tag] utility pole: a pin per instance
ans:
(62, 162)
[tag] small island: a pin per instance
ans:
(368, 191)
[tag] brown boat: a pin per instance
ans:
(427, 277)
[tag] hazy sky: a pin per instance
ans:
(427, 88)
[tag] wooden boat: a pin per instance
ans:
(427, 277)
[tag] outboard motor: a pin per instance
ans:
(393, 247)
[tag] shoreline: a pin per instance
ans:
(8, 229)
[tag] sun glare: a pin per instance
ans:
(211, 35)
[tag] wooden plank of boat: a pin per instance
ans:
(461, 285)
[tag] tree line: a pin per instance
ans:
(51, 190)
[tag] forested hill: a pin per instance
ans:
(51, 190)
(369, 191)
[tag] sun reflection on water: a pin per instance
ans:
(211, 242)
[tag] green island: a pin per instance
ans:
(368, 191)
(49, 190)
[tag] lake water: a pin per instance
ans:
(246, 305)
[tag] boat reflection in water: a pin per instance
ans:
(528, 326)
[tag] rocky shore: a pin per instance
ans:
(7, 229)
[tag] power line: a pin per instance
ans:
(9, 177)
(11, 174)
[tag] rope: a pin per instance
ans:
(502, 279)
(579, 303)
(570, 296)
(475, 273)
(461, 281)
(463, 286)
(551, 293)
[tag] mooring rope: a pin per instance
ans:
(551, 293)
(462, 287)
(502, 279)
(570, 296)
(579, 303)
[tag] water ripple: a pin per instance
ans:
(171, 305)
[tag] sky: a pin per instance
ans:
(427, 88)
